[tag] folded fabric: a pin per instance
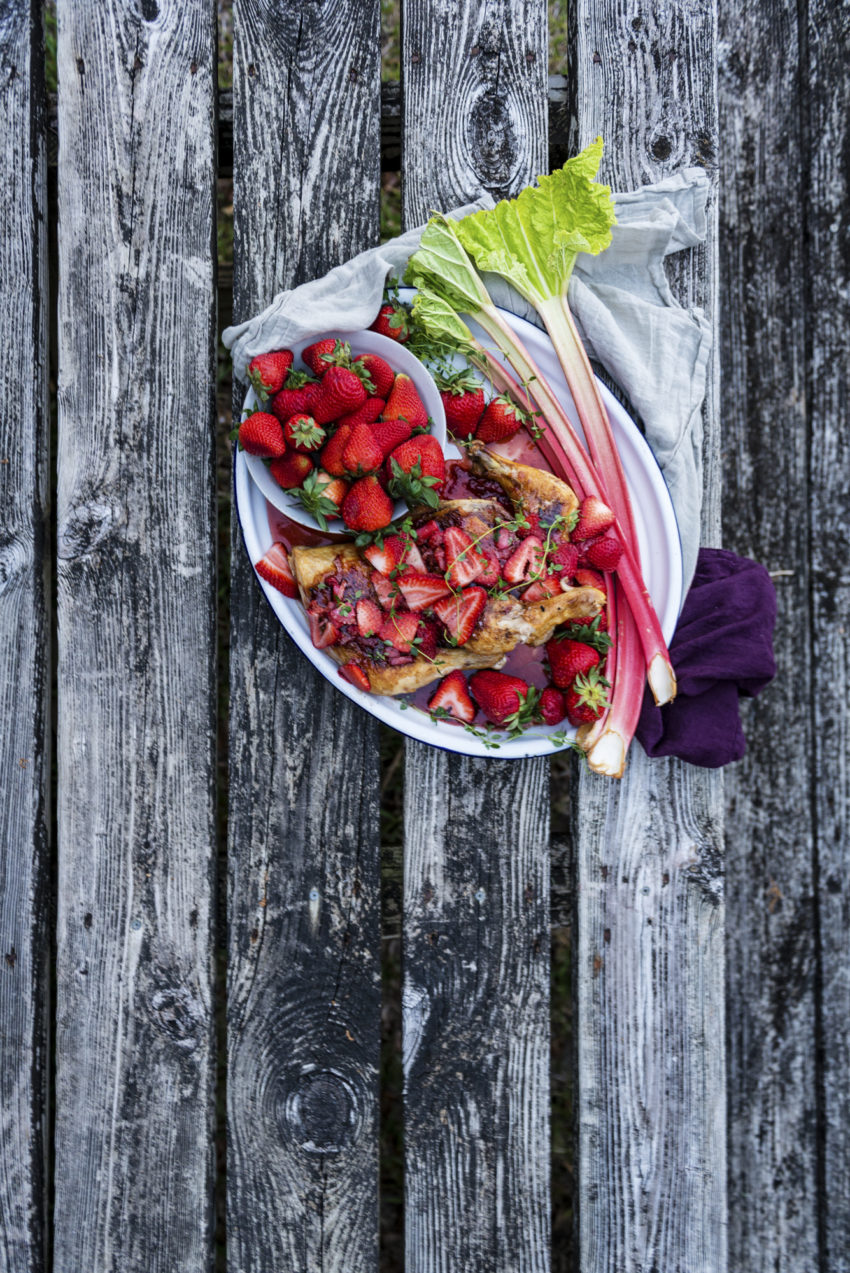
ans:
(722, 647)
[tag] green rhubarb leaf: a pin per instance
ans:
(442, 265)
(534, 239)
(439, 321)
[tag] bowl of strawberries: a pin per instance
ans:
(342, 431)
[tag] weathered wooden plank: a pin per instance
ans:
(135, 1064)
(649, 930)
(304, 887)
(476, 871)
(771, 1010)
(24, 645)
(826, 105)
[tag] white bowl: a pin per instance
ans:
(362, 342)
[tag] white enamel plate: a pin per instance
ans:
(658, 539)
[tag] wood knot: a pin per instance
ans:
(491, 138)
(87, 526)
(176, 1011)
(320, 1112)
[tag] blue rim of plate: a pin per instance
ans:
(410, 720)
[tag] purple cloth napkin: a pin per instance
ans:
(722, 647)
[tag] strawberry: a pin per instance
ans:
(392, 321)
(404, 403)
(594, 516)
(569, 659)
(267, 372)
(391, 433)
(369, 617)
(276, 570)
(292, 470)
(321, 496)
(416, 470)
(565, 557)
(460, 613)
(356, 676)
(261, 434)
(422, 591)
(367, 414)
(303, 434)
(385, 590)
(322, 630)
(332, 452)
(428, 531)
(587, 698)
(590, 579)
(548, 586)
(506, 701)
(385, 557)
(525, 562)
(451, 698)
(427, 635)
(399, 630)
(463, 401)
(362, 453)
(289, 402)
(604, 552)
(463, 560)
(553, 709)
(501, 420)
(325, 354)
(367, 505)
(590, 633)
(339, 394)
(411, 557)
(379, 372)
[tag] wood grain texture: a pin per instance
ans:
(476, 872)
(304, 887)
(24, 645)
(136, 644)
(474, 101)
(649, 914)
(771, 930)
(826, 104)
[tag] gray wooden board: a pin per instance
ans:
(476, 870)
(770, 939)
(136, 643)
(649, 912)
(304, 886)
(826, 107)
(24, 646)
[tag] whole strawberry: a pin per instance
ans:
(404, 403)
(267, 372)
(362, 453)
(553, 709)
(463, 402)
(603, 553)
(416, 470)
(367, 414)
(321, 496)
(324, 354)
(390, 433)
(569, 659)
(367, 506)
(261, 434)
(501, 420)
(379, 372)
(339, 394)
(587, 698)
(291, 401)
(303, 434)
(392, 321)
(594, 516)
(506, 701)
(333, 451)
(292, 470)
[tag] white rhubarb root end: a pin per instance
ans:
(608, 755)
(662, 680)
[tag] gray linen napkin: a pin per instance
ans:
(656, 351)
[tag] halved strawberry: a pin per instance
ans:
(355, 675)
(385, 557)
(421, 591)
(411, 557)
(399, 629)
(463, 560)
(274, 567)
(369, 617)
(548, 586)
(322, 630)
(594, 516)
(427, 636)
(385, 590)
(430, 530)
(590, 579)
(525, 561)
(452, 697)
(460, 613)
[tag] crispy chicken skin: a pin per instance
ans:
(506, 621)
